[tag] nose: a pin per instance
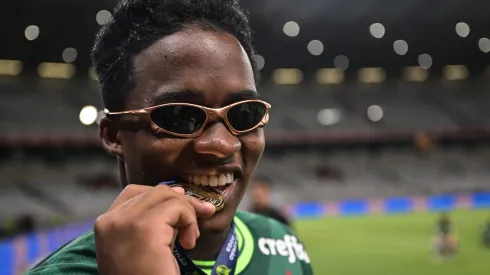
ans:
(217, 143)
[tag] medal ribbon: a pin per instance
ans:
(225, 263)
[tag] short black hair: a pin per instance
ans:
(137, 24)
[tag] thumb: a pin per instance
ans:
(179, 190)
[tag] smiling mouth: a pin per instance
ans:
(217, 182)
(210, 188)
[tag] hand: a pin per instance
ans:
(137, 234)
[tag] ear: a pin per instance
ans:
(110, 137)
(122, 172)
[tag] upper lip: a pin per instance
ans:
(228, 169)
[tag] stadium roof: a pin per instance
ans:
(342, 27)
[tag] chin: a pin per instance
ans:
(219, 222)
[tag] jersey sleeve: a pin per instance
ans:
(75, 258)
(68, 268)
(306, 265)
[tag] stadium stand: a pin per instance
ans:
(406, 107)
(389, 173)
(48, 190)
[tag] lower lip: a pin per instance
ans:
(226, 191)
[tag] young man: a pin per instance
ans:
(260, 194)
(486, 234)
(445, 243)
(177, 80)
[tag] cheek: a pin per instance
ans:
(253, 146)
(150, 159)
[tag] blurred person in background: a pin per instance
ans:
(445, 241)
(486, 234)
(261, 199)
(6, 229)
(25, 224)
(178, 84)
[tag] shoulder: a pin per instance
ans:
(275, 239)
(76, 257)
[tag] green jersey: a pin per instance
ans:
(266, 247)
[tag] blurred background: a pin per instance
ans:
(380, 123)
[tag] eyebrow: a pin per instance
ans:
(241, 95)
(195, 96)
(178, 96)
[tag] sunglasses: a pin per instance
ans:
(189, 120)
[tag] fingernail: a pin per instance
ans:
(209, 205)
(179, 190)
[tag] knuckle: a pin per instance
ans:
(191, 208)
(130, 188)
(180, 205)
(102, 223)
(99, 223)
(108, 222)
(174, 203)
(187, 209)
(135, 189)
(162, 188)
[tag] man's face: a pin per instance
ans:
(216, 68)
(260, 194)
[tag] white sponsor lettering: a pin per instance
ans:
(289, 244)
(262, 246)
(281, 248)
(272, 246)
(288, 247)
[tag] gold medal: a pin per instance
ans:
(203, 193)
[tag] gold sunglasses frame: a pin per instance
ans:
(212, 114)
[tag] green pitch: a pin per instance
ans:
(392, 245)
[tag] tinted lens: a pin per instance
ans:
(247, 115)
(179, 119)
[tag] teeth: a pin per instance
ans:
(204, 180)
(222, 180)
(212, 180)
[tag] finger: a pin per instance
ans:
(203, 209)
(158, 195)
(161, 193)
(153, 197)
(181, 218)
(133, 190)
(129, 192)
(188, 236)
(179, 190)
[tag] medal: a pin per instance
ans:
(202, 193)
(228, 256)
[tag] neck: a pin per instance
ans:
(208, 246)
